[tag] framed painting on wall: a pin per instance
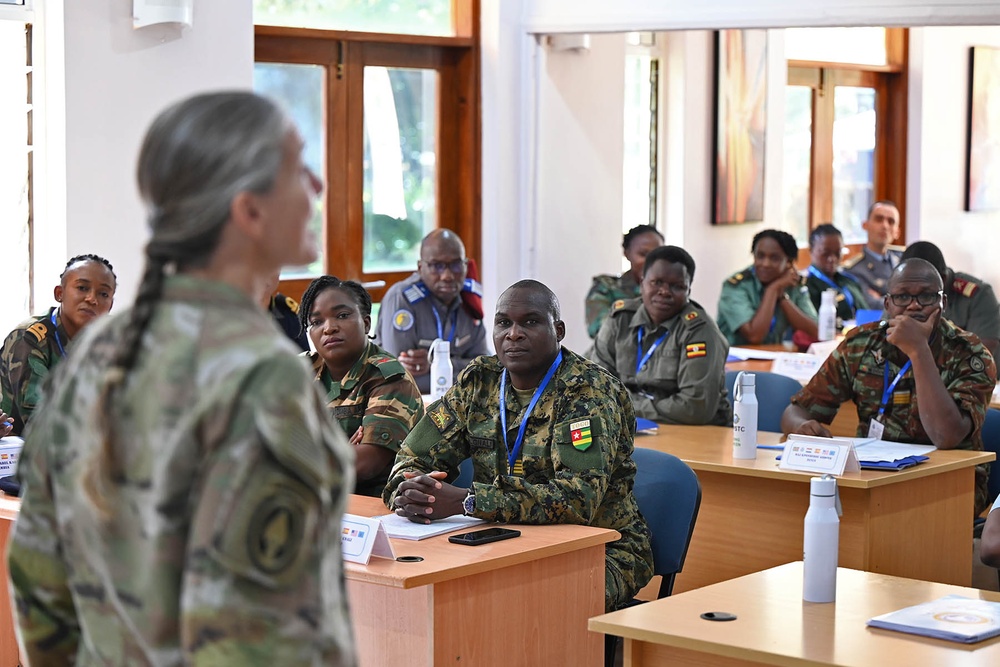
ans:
(740, 126)
(983, 176)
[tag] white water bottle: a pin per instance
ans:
(827, 315)
(821, 542)
(441, 369)
(745, 416)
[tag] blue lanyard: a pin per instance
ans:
(513, 454)
(887, 389)
(55, 330)
(639, 363)
(813, 271)
(454, 324)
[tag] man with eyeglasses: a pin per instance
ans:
(665, 348)
(434, 303)
(916, 378)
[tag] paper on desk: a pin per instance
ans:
(750, 353)
(404, 529)
(953, 617)
(884, 450)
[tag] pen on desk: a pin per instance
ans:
(770, 446)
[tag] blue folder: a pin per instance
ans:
(898, 464)
(645, 425)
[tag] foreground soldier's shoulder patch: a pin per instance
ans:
(442, 417)
(696, 350)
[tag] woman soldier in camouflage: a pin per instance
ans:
(608, 289)
(182, 483)
(367, 390)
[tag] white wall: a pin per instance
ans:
(105, 82)
(940, 62)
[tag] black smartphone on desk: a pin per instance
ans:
(478, 537)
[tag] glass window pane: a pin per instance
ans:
(862, 46)
(410, 17)
(400, 165)
(797, 169)
(639, 158)
(300, 88)
(853, 159)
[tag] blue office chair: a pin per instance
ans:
(991, 443)
(464, 479)
(669, 496)
(773, 391)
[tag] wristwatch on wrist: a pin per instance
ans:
(469, 504)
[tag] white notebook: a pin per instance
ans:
(953, 617)
(404, 529)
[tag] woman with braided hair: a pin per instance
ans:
(368, 391)
(86, 290)
(182, 483)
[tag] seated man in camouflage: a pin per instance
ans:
(559, 451)
(916, 378)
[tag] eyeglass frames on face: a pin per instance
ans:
(455, 267)
(923, 299)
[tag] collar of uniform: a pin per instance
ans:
(642, 319)
(190, 288)
(335, 387)
(60, 329)
(885, 257)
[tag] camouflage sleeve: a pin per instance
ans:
(263, 578)
(27, 367)
(598, 303)
(972, 378)
(387, 336)
(831, 385)
(393, 408)
(48, 626)
(735, 310)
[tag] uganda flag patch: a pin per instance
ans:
(696, 350)
(579, 433)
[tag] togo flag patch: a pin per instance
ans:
(696, 350)
(579, 433)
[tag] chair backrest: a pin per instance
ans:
(465, 472)
(774, 391)
(669, 495)
(991, 443)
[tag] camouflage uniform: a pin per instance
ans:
(856, 371)
(973, 306)
(285, 311)
(223, 542)
(561, 482)
(376, 393)
(603, 294)
(846, 285)
(29, 353)
(740, 299)
(684, 382)
(406, 322)
(873, 272)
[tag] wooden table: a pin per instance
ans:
(523, 601)
(775, 627)
(913, 523)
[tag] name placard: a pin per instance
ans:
(832, 456)
(364, 537)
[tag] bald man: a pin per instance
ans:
(916, 378)
(429, 305)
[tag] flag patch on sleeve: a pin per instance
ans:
(696, 350)
(579, 433)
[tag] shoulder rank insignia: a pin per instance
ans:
(39, 331)
(292, 304)
(696, 350)
(415, 292)
(853, 261)
(735, 280)
(402, 320)
(472, 286)
(976, 364)
(579, 433)
(690, 316)
(617, 305)
(964, 287)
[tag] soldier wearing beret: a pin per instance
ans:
(916, 377)
(549, 434)
(665, 348)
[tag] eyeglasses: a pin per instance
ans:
(455, 267)
(923, 299)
